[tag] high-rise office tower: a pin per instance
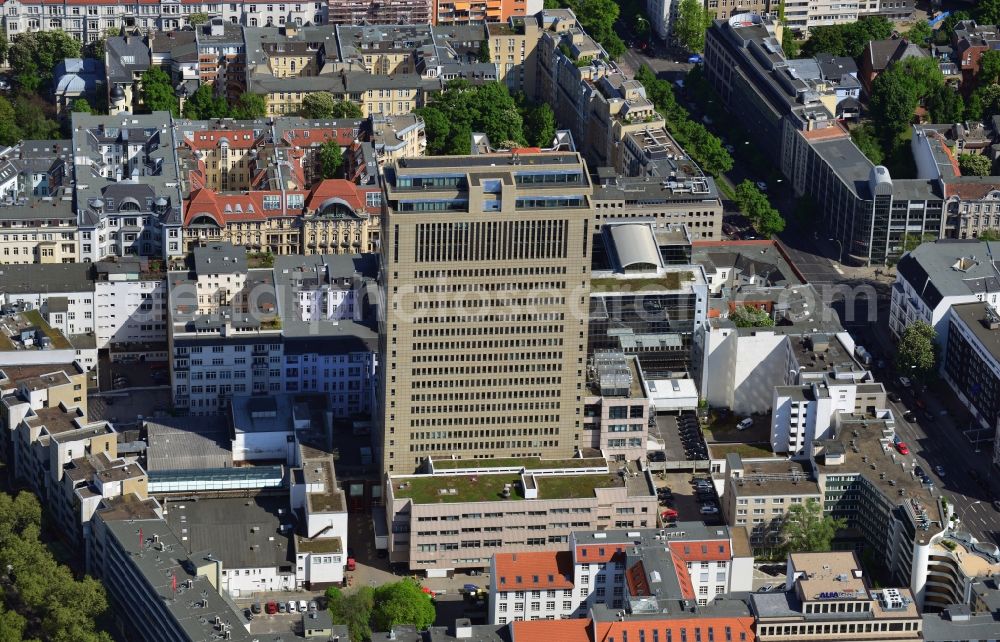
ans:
(485, 276)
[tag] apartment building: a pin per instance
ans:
(514, 390)
(605, 569)
(282, 322)
(890, 513)
(88, 23)
(26, 388)
(958, 566)
(513, 43)
(827, 597)
(391, 12)
(758, 493)
(971, 362)
(515, 505)
(37, 222)
(450, 12)
(793, 120)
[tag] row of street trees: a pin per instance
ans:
(41, 600)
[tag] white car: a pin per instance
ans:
(291, 606)
(303, 606)
(708, 510)
(745, 424)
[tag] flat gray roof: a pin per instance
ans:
(847, 161)
(220, 258)
(242, 532)
(972, 315)
(185, 443)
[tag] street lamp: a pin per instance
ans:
(840, 255)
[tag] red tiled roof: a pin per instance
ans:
(707, 551)
(310, 136)
(596, 553)
(605, 631)
(542, 570)
(683, 577)
(577, 630)
(232, 207)
(635, 577)
(210, 139)
(969, 191)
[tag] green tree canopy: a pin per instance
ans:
(10, 133)
(61, 608)
(789, 44)
(353, 611)
(920, 32)
(846, 39)
(989, 235)
(807, 530)
(751, 201)
(748, 316)
(331, 158)
(346, 109)
(203, 104)
(945, 105)
(196, 19)
(916, 353)
(984, 103)
(692, 22)
(539, 123)
(30, 113)
(33, 56)
(866, 140)
(318, 104)
(249, 107)
(158, 92)
(988, 11)
(894, 97)
(80, 105)
(975, 165)
(402, 603)
(484, 51)
(989, 67)
(461, 109)
(948, 24)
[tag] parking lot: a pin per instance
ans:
(680, 436)
(686, 500)
(124, 376)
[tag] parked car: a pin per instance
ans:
(904, 381)
(657, 455)
(894, 397)
(303, 606)
(761, 185)
(292, 608)
(745, 423)
(670, 513)
(271, 608)
(708, 510)
(903, 448)
(248, 614)
(282, 607)
(256, 607)
(351, 564)
(910, 416)
(939, 469)
(313, 606)
(694, 59)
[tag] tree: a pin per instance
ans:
(539, 124)
(641, 25)
(33, 56)
(750, 317)
(29, 112)
(318, 104)
(692, 22)
(864, 137)
(975, 165)
(347, 109)
(196, 19)
(920, 32)
(461, 109)
(4, 46)
(847, 39)
(917, 353)
(204, 104)
(484, 51)
(10, 133)
(331, 157)
(984, 102)
(806, 530)
(948, 24)
(80, 105)
(945, 105)
(789, 44)
(353, 611)
(249, 107)
(989, 235)
(402, 603)
(767, 220)
(988, 12)
(158, 92)
(989, 67)
(893, 100)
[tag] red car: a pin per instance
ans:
(903, 448)
(670, 513)
(271, 608)
(351, 564)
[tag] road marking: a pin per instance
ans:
(839, 271)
